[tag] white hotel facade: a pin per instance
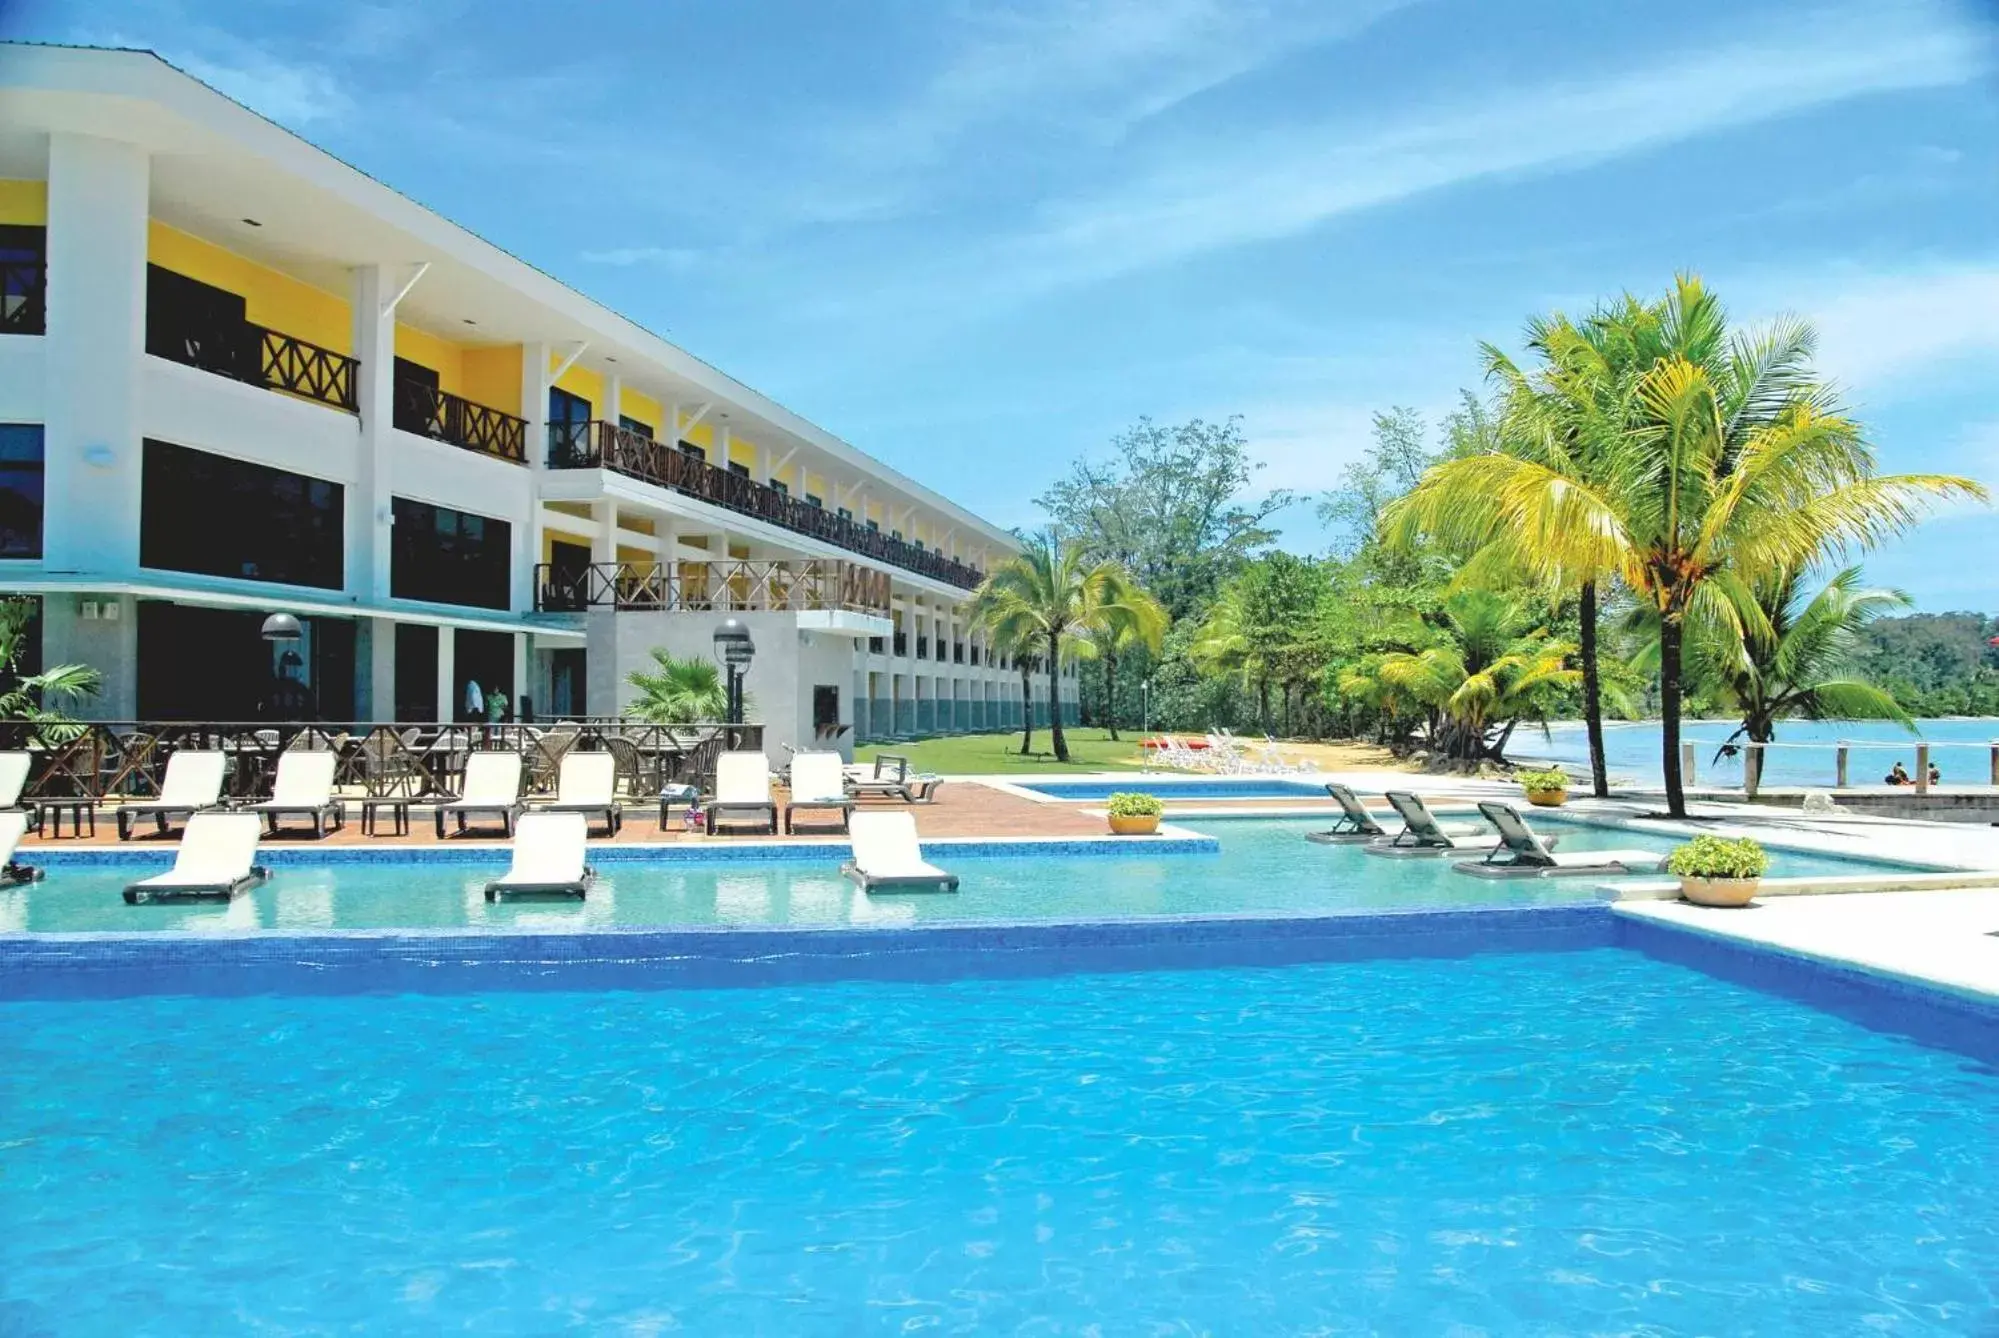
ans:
(238, 377)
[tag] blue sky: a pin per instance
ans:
(977, 239)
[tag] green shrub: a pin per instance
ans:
(1718, 857)
(1554, 778)
(1129, 805)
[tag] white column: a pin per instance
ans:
(447, 655)
(520, 640)
(368, 506)
(604, 542)
(534, 403)
(378, 696)
(720, 459)
(614, 397)
(95, 341)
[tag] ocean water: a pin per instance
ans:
(1265, 865)
(1577, 1142)
(1960, 748)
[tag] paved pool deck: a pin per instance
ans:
(1940, 939)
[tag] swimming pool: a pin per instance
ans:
(1264, 865)
(1591, 1139)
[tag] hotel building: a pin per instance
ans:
(239, 377)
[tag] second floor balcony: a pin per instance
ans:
(602, 445)
(707, 587)
(423, 409)
(260, 356)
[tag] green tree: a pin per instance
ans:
(1719, 461)
(1133, 622)
(1488, 668)
(677, 691)
(1052, 593)
(1260, 628)
(1169, 507)
(38, 699)
(1803, 668)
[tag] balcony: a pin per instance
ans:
(707, 587)
(601, 445)
(259, 356)
(429, 412)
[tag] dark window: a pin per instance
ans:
(631, 424)
(199, 324)
(449, 557)
(20, 490)
(740, 471)
(918, 545)
(416, 399)
(780, 487)
(24, 279)
(874, 527)
(845, 514)
(568, 425)
(814, 502)
(893, 534)
(222, 517)
(690, 449)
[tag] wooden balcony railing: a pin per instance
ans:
(128, 759)
(703, 587)
(260, 356)
(442, 416)
(601, 445)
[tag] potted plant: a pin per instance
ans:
(1719, 870)
(1135, 814)
(1545, 789)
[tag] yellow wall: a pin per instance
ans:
(271, 299)
(581, 381)
(817, 487)
(24, 202)
(637, 404)
(493, 377)
(701, 435)
(440, 355)
(742, 453)
(548, 538)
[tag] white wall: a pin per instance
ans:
(788, 665)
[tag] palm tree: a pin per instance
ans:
(1802, 669)
(1719, 462)
(677, 691)
(1489, 669)
(1133, 620)
(1012, 634)
(1052, 593)
(38, 699)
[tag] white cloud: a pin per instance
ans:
(1287, 181)
(1889, 334)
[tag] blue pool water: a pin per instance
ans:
(1243, 787)
(1580, 1141)
(1265, 865)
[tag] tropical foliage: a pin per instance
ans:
(1718, 857)
(37, 698)
(678, 691)
(1054, 595)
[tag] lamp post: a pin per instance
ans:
(1145, 706)
(735, 650)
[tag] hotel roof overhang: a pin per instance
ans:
(216, 163)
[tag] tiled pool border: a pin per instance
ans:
(1169, 840)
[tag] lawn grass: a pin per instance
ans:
(985, 754)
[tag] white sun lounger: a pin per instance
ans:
(13, 778)
(587, 783)
(549, 850)
(742, 792)
(215, 861)
(1421, 833)
(303, 788)
(193, 782)
(14, 826)
(1521, 853)
(1355, 823)
(818, 782)
(492, 789)
(887, 857)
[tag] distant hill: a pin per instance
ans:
(1936, 663)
